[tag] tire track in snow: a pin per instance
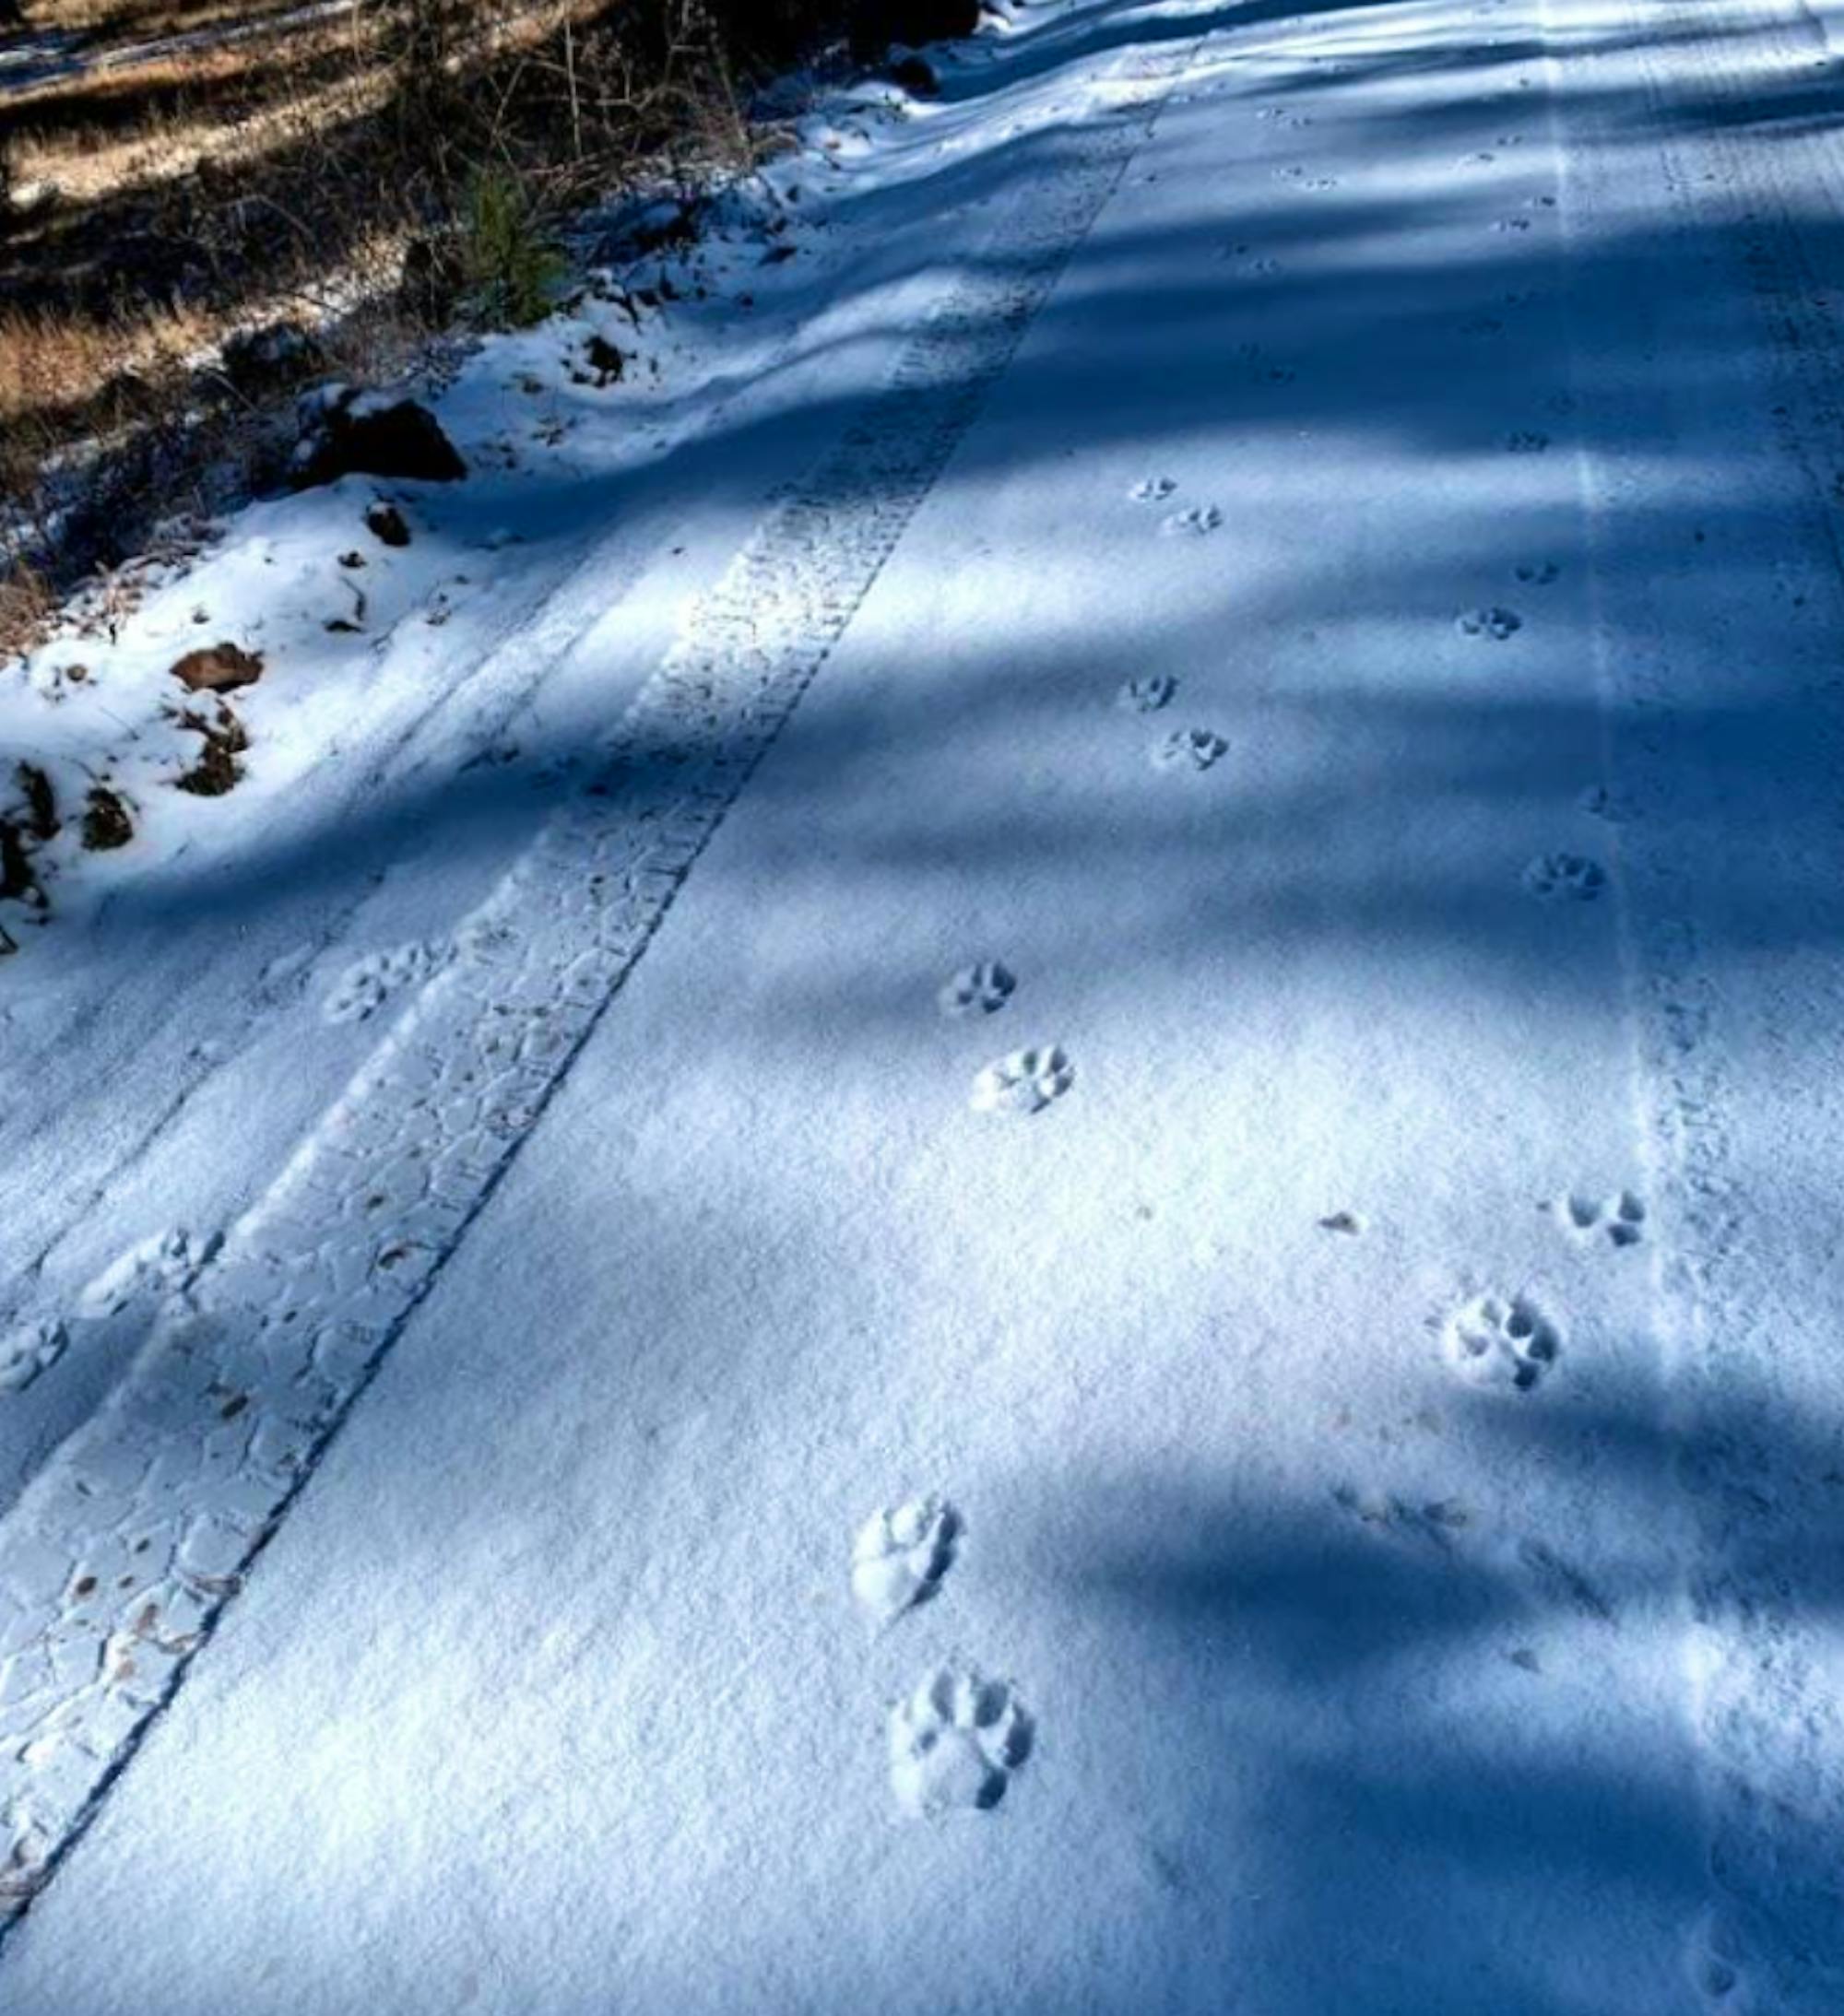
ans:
(1765, 1718)
(122, 1553)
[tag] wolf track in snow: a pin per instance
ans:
(1500, 1340)
(977, 990)
(1025, 1082)
(1622, 1218)
(293, 1321)
(159, 1266)
(1193, 523)
(1494, 625)
(1525, 440)
(1600, 802)
(1146, 694)
(26, 1352)
(902, 1554)
(1538, 573)
(1189, 749)
(1714, 1960)
(1152, 490)
(365, 985)
(1565, 878)
(956, 1743)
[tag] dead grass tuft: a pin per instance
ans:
(27, 606)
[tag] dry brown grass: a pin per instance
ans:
(165, 197)
(131, 21)
(52, 363)
(27, 603)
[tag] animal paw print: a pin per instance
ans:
(982, 989)
(366, 986)
(956, 1743)
(1715, 1960)
(31, 1349)
(1500, 1340)
(1025, 1082)
(1622, 1218)
(1496, 625)
(1152, 490)
(901, 1555)
(1194, 524)
(1189, 749)
(1146, 695)
(1525, 440)
(1565, 878)
(158, 1266)
(1538, 573)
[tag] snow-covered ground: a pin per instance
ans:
(1053, 1103)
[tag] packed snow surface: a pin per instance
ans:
(988, 1160)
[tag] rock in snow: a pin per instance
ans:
(218, 668)
(344, 432)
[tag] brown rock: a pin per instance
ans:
(604, 359)
(106, 824)
(385, 524)
(347, 432)
(17, 882)
(220, 668)
(916, 75)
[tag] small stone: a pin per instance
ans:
(387, 525)
(218, 668)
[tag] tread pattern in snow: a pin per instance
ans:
(1764, 1702)
(122, 1552)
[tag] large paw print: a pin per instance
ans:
(160, 1265)
(366, 986)
(1195, 524)
(27, 1352)
(956, 1743)
(1496, 626)
(977, 990)
(1565, 878)
(1504, 1340)
(1189, 749)
(1025, 1082)
(1622, 1218)
(901, 1556)
(1146, 695)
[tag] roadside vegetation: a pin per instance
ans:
(175, 173)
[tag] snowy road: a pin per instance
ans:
(1326, 573)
